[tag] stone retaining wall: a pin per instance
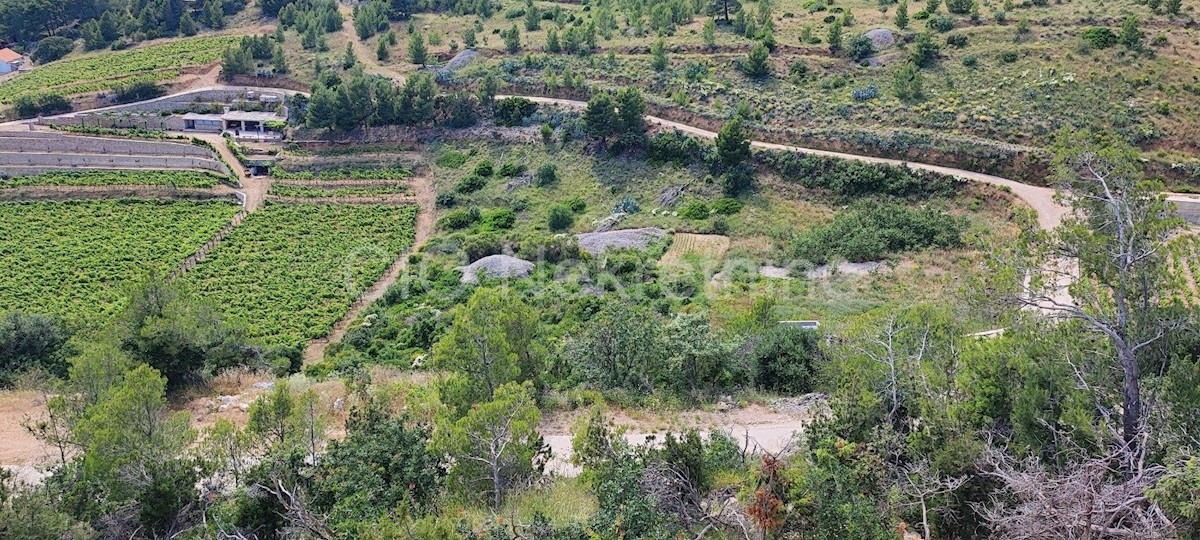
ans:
(24, 161)
(66, 144)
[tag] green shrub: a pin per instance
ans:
(513, 111)
(499, 219)
(970, 60)
(446, 200)
(694, 210)
(45, 104)
(941, 22)
(560, 217)
(1100, 38)
(481, 245)
(1009, 57)
(51, 49)
(452, 159)
(957, 41)
(856, 179)
(470, 184)
(547, 174)
(484, 168)
(511, 169)
(577, 205)
(727, 206)
(872, 231)
(785, 360)
(457, 219)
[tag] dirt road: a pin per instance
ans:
(1041, 199)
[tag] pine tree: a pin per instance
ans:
(709, 33)
(278, 60)
(187, 25)
(902, 15)
(348, 59)
(756, 64)
(552, 43)
(733, 144)
(658, 56)
(835, 36)
(381, 52)
(907, 83)
(418, 52)
(214, 14)
(600, 118)
(533, 19)
(512, 39)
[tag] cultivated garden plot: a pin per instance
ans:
(105, 70)
(185, 179)
(71, 259)
(290, 271)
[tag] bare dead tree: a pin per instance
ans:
(923, 484)
(889, 350)
(1096, 498)
(301, 521)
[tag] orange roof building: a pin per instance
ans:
(10, 60)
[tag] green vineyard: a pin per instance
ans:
(289, 272)
(72, 259)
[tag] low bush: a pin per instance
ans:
(457, 219)
(139, 91)
(470, 184)
(857, 179)
(694, 210)
(547, 175)
(1100, 38)
(872, 231)
(484, 168)
(1009, 57)
(560, 217)
(480, 245)
(677, 148)
(957, 41)
(45, 104)
(727, 206)
(51, 49)
(511, 169)
(513, 111)
(499, 219)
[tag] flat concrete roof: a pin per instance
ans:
(198, 116)
(252, 116)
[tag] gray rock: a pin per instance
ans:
(597, 243)
(496, 266)
(882, 38)
(265, 385)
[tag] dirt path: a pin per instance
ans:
(425, 196)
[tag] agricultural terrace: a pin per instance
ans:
(108, 69)
(71, 259)
(290, 271)
(186, 179)
(335, 190)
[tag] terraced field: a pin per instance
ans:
(290, 271)
(190, 179)
(71, 259)
(106, 70)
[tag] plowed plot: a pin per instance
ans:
(707, 246)
(290, 271)
(71, 259)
